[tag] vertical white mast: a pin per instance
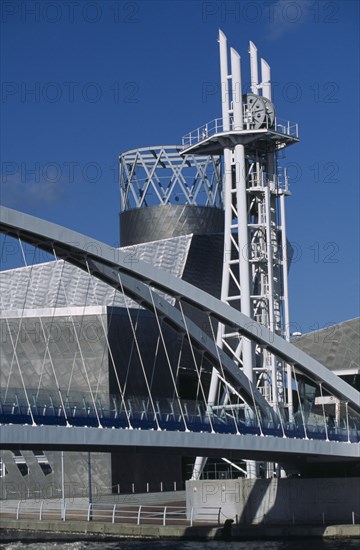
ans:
(225, 107)
(242, 213)
(265, 79)
(254, 68)
(224, 76)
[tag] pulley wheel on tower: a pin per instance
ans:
(255, 111)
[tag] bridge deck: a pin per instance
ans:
(251, 446)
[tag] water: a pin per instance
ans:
(309, 544)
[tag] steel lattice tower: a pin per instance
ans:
(255, 267)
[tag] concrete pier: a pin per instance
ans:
(292, 501)
(11, 530)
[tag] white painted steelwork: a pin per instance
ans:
(159, 175)
(254, 68)
(98, 439)
(255, 268)
(111, 266)
(278, 131)
(107, 262)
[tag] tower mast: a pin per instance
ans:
(255, 263)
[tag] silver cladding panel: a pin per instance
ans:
(108, 262)
(141, 225)
(60, 284)
(41, 486)
(40, 338)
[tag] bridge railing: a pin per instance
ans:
(172, 415)
(216, 126)
(139, 514)
(144, 514)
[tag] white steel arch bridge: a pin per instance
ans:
(265, 433)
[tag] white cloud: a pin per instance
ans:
(285, 16)
(15, 191)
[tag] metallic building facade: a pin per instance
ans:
(68, 318)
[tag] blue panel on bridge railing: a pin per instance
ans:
(172, 425)
(89, 421)
(294, 430)
(273, 429)
(169, 416)
(53, 420)
(108, 422)
(144, 424)
(316, 432)
(312, 432)
(15, 419)
(199, 426)
(249, 428)
(228, 426)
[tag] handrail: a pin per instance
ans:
(228, 425)
(198, 419)
(216, 126)
(139, 514)
(133, 514)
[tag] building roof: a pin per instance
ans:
(337, 346)
(60, 284)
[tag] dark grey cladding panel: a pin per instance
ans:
(129, 363)
(204, 263)
(337, 346)
(153, 223)
(203, 269)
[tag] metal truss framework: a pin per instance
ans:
(255, 266)
(254, 278)
(159, 175)
(138, 279)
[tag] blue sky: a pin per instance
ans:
(84, 81)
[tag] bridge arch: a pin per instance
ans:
(108, 263)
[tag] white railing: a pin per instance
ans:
(24, 492)
(203, 132)
(147, 515)
(117, 513)
(284, 127)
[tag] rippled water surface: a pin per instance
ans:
(303, 544)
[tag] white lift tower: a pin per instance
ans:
(255, 269)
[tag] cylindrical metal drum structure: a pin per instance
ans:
(164, 194)
(142, 225)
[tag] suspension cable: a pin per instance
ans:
(14, 345)
(195, 363)
(222, 371)
(78, 344)
(139, 354)
(168, 360)
(179, 360)
(256, 409)
(131, 347)
(122, 393)
(278, 411)
(157, 346)
(20, 372)
(323, 410)
(300, 405)
(47, 339)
